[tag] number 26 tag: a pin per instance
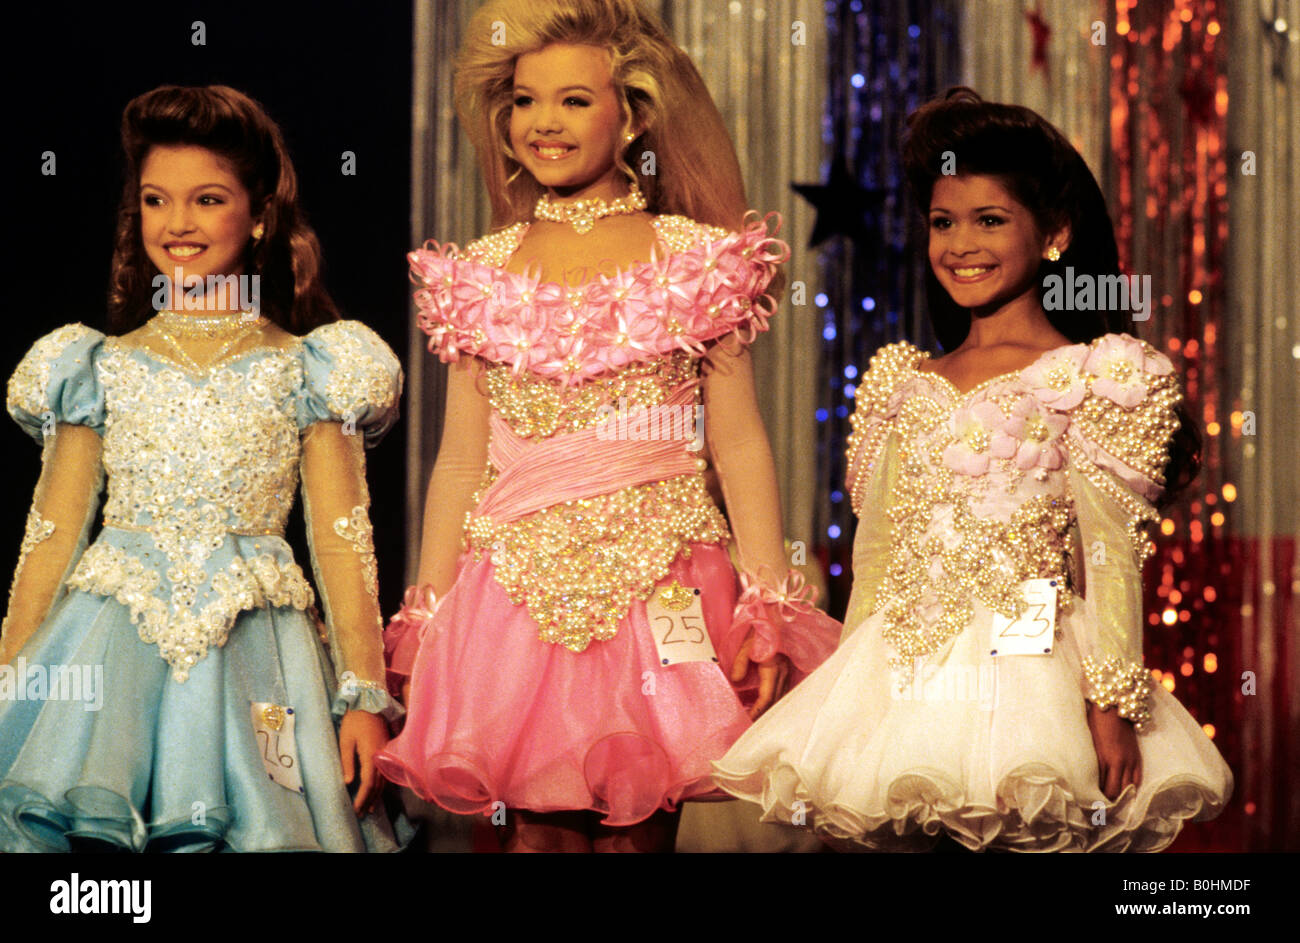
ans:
(273, 727)
(677, 623)
(1033, 632)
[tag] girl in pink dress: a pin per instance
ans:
(990, 686)
(579, 643)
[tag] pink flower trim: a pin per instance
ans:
(676, 301)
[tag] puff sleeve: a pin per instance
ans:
(56, 397)
(352, 384)
(1118, 438)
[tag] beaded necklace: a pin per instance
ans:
(584, 213)
(232, 328)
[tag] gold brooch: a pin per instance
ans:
(273, 716)
(676, 597)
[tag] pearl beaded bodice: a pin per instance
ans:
(981, 500)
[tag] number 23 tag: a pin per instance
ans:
(677, 623)
(1033, 632)
(273, 727)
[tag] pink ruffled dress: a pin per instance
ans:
(535, 681)
(922, 722)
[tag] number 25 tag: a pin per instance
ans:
(273, 727)
(677, 623)
(1033, 632)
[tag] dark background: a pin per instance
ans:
(334, 76)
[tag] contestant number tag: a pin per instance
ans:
(1034, 631)
(677, 622)
(273, 728)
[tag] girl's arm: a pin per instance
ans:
(58, 525)
(462, 457)
(742, 456)
(336, 505)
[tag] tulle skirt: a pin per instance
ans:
(498, 718)
(994, 751)
(140, 762)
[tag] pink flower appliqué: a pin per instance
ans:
(1037, 431)
(979, 435)
(1120, 364)
(1056, 379)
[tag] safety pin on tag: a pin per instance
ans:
(273, 728)
(676, 617)
(1034, 631)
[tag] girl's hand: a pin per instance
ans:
(361, 736)
(772, 677)
(1118, 757)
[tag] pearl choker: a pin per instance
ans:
(584, 213)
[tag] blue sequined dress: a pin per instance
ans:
(127, 703)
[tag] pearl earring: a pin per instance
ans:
(1053, 254)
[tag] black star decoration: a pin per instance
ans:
(843, 206)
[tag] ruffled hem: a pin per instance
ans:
(626, 777)
(995, 752)
(608, 729)
(1036, 811)
(141, 762)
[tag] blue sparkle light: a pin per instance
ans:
(850, 372)
(914, 31)
(849, 390)
(868, 303)
(833, 531)
(820, 299)
(842, 411)
(828, 332)
(837, 497)
(822, 415)
(836, 569)
(858, 80)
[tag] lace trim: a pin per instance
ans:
(184, 635)
(359, 532)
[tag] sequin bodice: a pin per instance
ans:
(191, 457)
(579, 564)
(202, 466)
(982, 498)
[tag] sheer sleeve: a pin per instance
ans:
(58, 525)
(336, 505)
(457, 475)
(871, 540)
(55, 396)
(352, 383)
(1119, 440)
(774, 603)
(872, 470)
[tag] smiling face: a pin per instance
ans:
(195, 215)
(566, 122)
(984, 247)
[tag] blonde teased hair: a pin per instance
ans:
(696, 174)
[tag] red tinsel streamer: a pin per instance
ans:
(1168, 187)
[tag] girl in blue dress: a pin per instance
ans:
(166, 686)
